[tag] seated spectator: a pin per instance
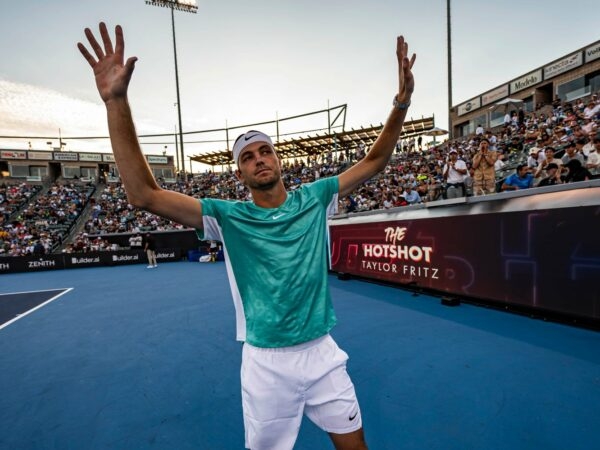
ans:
(552, 175)
(521, 179)
(536, 156)
(411, 197)
(571, 153)
(576, 171)
(593, 160)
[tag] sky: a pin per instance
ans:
(244, 62)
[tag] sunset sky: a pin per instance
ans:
(242, 62)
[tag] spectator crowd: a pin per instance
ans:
(559, 143)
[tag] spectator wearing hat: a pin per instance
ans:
(484, 175)
(552, 175)
(454, 173)
(535, 157)
(521, 179)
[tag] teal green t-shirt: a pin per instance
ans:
(277, 263)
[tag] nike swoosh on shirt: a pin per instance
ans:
(354, 416)
(278, 216)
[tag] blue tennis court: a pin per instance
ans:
(128, 357)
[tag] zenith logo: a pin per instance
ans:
(278, 216)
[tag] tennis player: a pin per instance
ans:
(276, 255)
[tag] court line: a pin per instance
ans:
(20, 316)
(34, 292)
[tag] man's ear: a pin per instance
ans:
(238, 175)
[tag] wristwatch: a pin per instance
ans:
(398, 105)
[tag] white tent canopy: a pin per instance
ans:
(506, 102)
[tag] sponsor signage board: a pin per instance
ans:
(563, 65)
(108, 157)
(520, 269)
(47, 156)
(76, 260)
(494, 95)
(526, 81)
(592, 53)
(13, 154)
(469, 106)
(60, 156)
(91, 157)
(157, 159)
(32, 263)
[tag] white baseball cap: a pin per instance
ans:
(248, 138)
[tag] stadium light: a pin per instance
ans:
(449, 43)
(185, 6)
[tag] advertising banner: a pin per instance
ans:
(76, 260)
(562, 66)
(46, 156)
(13, 154)
(60, 156)
(30, 263)
(592, 53)
(526, 81)
(494, 95)
(157, 159)
(90, 157)
(547, 259)
(469, 106)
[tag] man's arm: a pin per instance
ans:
(112, 80)
(376, 160)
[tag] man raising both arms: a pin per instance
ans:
(275, 249)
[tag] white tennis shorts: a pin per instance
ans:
(279, 385)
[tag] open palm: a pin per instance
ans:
(112, 76)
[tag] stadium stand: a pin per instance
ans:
(29, 217)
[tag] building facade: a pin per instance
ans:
(568, 78)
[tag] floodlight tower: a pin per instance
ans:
(449, 42)
(185, 6)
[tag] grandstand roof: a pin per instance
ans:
(319, 144)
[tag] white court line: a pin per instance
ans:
(20, 316)
(35, 292)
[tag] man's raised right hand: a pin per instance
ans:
(112, 76)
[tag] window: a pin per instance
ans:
(19, 171)
(88, 172)
(497, 118)
(162, 173)
(71, 172)
(38, 171)
(572, 90)
(593, 81)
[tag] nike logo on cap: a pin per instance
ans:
(247, 138)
